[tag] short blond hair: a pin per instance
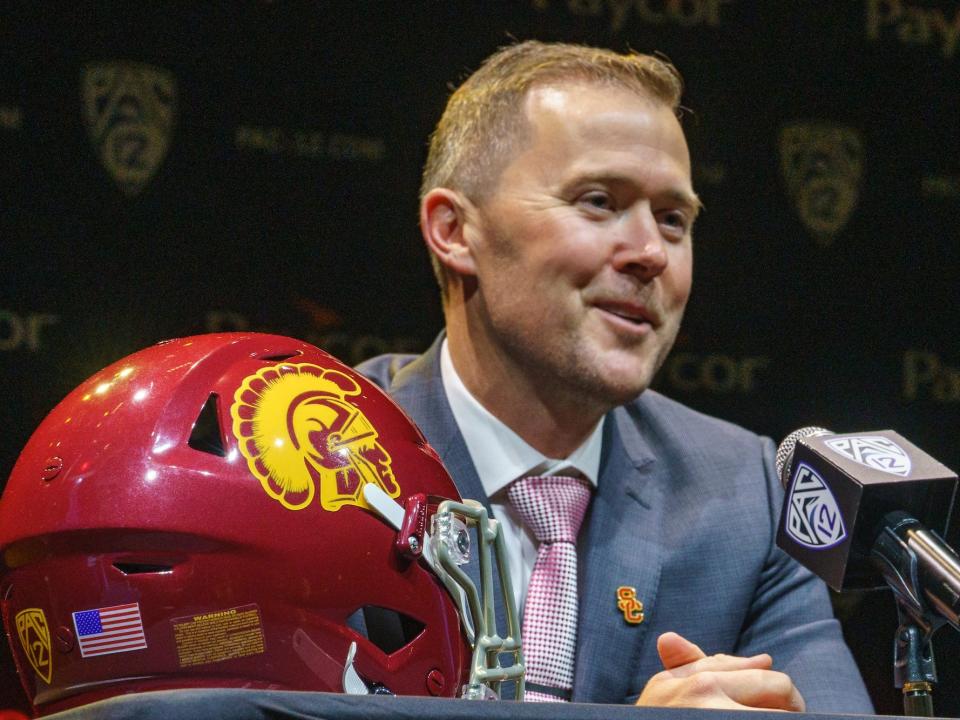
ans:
(484, 118)
(484, 123)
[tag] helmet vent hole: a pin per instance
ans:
(206, 436)
(280, 357)
(388, 629)
(133, 568)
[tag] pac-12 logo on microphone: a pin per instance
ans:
(873, 451)
(813, 518)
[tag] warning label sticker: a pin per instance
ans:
(217, 636)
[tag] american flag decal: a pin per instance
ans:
(109, 630)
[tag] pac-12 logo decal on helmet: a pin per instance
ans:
(873, 451)
(813, 518)
(298, 430)
(35, 638)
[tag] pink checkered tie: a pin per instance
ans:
(553, 508)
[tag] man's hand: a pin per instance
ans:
(692, 679)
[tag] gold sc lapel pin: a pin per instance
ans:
(628, 604)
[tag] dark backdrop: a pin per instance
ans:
(174, 168)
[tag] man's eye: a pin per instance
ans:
(597, 200)
(674, 220)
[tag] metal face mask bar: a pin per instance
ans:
(445, 550)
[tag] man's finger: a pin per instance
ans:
(752, 688)
(722, 663)
(758, 688)
(675, 650)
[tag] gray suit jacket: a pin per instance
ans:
(686, 512)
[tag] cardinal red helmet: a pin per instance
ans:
(223, 511)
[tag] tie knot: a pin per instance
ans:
(551, 506)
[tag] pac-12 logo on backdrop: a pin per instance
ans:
(813, 518)
(822, 165)
(129, 109)
(298, 430)
(873, 451)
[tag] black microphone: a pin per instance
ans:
(851, 516)
(865, 510)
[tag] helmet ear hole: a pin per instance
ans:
(207, 435)
(388, 629)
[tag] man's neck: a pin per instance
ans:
(548, 421)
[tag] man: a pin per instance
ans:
(558, 209)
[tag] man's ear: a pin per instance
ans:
(444, 215)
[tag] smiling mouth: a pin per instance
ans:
(638, 317)
(634, 319)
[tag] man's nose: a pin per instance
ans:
(641, 249)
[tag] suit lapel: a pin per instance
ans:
(418, 388)
(619, 547)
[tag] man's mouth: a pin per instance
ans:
(635, 314)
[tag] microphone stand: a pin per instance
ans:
(914, 667)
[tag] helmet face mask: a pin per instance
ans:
(195, 516)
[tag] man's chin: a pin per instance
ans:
(622, 394)
(613, 388)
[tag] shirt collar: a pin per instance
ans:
(499, 455)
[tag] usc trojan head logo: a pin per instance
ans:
(822, 165)
(298, 431)
(128, 109)
(35, 638)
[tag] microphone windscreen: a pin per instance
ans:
(788, 445)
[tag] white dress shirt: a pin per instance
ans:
(500, 456)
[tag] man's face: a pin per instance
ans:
(583, 252)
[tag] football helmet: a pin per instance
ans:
(243, 510)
